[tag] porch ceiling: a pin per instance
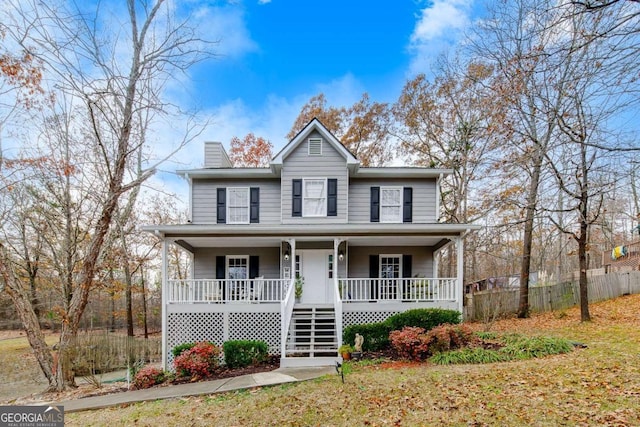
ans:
(196, 236)
(264, 242)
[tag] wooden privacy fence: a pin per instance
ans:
(99, 352)
(487, 305)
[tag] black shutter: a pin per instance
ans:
(375, 204)
(220, 270)
(332, 197)
(406, 266)
(222, 205)
(374, 270)
(407, 205)
(254, 205)
(406, 273)
(254, 266)
(220, 267)
(296, 201)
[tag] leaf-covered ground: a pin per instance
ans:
(598, 385)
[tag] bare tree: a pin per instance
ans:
(108, 78)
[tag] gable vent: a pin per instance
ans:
(315, 146)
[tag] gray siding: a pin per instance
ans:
(421, 261)
(424, 198)
(215, 156)
(204, 199)
(299, 164)
(204, 261)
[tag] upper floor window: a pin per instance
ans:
(314, 197)
(315, 146)
(390, 204)
(238, 205)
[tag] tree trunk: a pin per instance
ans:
(22, 301)
(128, 298)
(525, 266)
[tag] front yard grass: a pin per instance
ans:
(597, 385)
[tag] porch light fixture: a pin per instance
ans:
(341, 256)
(286, 255)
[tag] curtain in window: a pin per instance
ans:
(238, 205)
(315, 197)
(390, 205)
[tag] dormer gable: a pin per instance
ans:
(314, 136)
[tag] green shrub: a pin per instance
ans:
(181, 348)
(521, 347)
(241, 353)
(469, 355)
(426, 318)
(516, 347)
(376, 335)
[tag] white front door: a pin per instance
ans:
(318, 278)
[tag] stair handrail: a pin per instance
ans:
(337, 308)
(286, 312)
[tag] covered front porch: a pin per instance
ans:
(244, 288)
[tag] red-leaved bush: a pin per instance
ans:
(415, 344)
(148, 377)
(449, 337)
(410, 343)
(198, 362)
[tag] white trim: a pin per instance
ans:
(303, 134)
(164, 299)
(438, 190)
(326, 195)
(318, 141)
(228, 205)
(400, 190)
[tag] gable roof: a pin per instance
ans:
(315, 124)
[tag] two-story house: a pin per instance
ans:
(364, 240)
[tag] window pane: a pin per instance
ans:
(391, 196)
(314, 188)
(238, 205)
(314, 200)
(314, 207)
(389, 267)
(390, 213)
(238, 268)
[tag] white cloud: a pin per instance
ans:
(264, 1)
(225, 24)
(439, 26)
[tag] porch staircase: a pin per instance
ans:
(312, 339)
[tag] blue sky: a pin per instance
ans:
(276, 54)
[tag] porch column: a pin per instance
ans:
(337, 298)
(292, 260)
(460, 268)
(164, 299)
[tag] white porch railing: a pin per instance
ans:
(414, 289)
(286, 312)
(223, 291)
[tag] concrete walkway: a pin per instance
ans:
(279, 376)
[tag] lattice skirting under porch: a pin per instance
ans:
(361, 317)
(221, 327)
